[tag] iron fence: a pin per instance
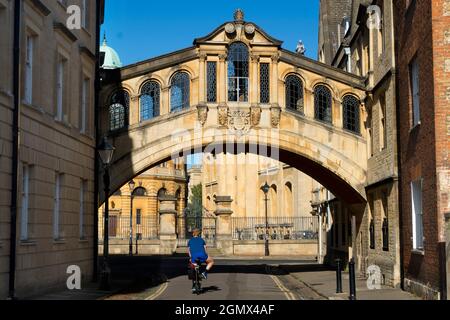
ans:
(144, 228)
(207, 225)
(279, 228)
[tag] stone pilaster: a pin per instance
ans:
(223, 212)
(274, 83)
(167, 225)
(201, 81)
(222, 79)
(254, 80)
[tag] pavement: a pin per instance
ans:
(233, 278)
(322, 280)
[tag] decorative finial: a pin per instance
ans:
(104, 39)
(238, 15)
(301, 49)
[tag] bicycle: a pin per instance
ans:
(195, 274)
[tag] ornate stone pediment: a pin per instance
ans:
(238, 30)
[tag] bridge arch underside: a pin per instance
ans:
(341, 175)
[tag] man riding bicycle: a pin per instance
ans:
(197, 252)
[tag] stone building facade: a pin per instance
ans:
(55, 154)
(136, 211)
(290, 190)
(422, 33)
(367, 49)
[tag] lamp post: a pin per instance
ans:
(266, 189)
(131, 185)
(106, 151)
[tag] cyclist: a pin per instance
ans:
(197, 251)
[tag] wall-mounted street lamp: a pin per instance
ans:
(106, 152)
(266, 189)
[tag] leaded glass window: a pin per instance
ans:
(212, 81)
(264, 75)
(294, 94)
(323, 103)
(150, 100)
(179, 92)
(238, 72)
(118, 110)
(351, 113)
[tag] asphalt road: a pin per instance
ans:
(166, 279)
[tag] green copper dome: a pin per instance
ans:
(112, 59)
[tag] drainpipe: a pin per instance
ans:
(98, 22)
(15, 150)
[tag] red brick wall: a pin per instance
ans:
(418, 145)
(441, 70)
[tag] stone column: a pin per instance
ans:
(165, 100)
(254, 80)
(274, 80)
(167, 225)
(201, 79)
(222, 79)
(223, 212)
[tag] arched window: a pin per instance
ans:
(351, 113)
(322, 103)
(150, 100)
(238, 72)
(294, 94)
(140, 192)
(118, 110)
(179, 92)
(162, 192)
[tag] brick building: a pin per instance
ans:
(422, 33)
(357, 36)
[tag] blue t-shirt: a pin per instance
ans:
(197, 246)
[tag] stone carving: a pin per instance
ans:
(256, 115)
(250, 29)
(275, 116)
(239, 120)
(239, 15)
(202, 112)
(230, 28)
(223, 115)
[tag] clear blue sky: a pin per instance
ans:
(142, 29)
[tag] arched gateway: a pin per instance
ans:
(237, 90)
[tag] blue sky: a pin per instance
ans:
(142, 29)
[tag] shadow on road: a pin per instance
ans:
(145, 272)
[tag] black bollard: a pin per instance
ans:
(338, 276)
(352, 275)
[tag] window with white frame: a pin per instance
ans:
(417, 214)
(60, 88)
(57, 207)
(28, 89)
(85, 99)
(24, 218)
(415, 91)
(83, 189)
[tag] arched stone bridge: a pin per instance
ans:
(317, 133)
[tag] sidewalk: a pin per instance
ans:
(89, 291)
(323, 282)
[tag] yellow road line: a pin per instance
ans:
(158, 292)
(289, 295)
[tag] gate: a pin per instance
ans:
(207, 225)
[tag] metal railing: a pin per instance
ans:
(279, 228)
(119, 228)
